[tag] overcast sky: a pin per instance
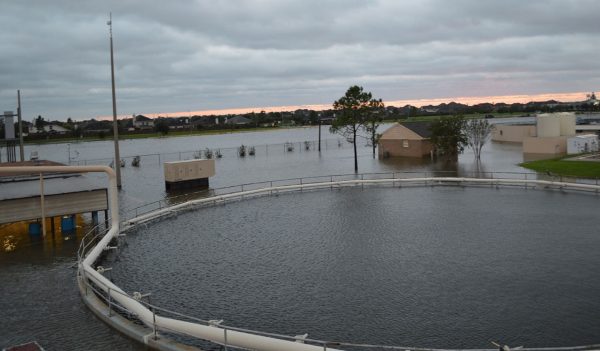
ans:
(198, 55)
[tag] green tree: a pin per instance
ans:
(39, 123)
(352, 111)
(448, 136)
(373, 120)
(162, 127)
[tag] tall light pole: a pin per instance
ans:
(117, 162)
(21, 150)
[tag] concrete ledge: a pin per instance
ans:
(134, 331)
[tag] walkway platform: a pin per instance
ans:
(64, 194)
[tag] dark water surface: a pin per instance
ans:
(38, 293)
(431, 267)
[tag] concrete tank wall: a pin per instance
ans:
(567, 124)
(548, 126)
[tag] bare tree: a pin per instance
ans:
(478, 132)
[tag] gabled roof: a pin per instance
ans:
(421, 128)
(142, 118)
(409, 130)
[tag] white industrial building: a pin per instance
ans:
(582, 143)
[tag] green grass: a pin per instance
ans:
(562, 167)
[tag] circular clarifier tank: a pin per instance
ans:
(445, 267)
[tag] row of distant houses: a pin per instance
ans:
(142, 122)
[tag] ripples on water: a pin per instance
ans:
(433, 267)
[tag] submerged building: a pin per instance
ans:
(410, 139)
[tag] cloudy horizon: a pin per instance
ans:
(222, 55)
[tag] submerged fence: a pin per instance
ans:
(225, 152)
(157, 326)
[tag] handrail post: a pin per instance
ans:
(109, 303)
(154, 323)
(225, 338)
(85, 283)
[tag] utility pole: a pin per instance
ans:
(319, 132)
(21, 150)
(117, 162)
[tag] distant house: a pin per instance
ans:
(142, 122)
(49, 129)
(238, 121)
(180, 123)
(406, 140)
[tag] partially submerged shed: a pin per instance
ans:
(411, 139)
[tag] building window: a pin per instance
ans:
(404, 143)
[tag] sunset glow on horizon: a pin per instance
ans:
(468, 100)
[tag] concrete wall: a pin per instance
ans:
(551, 146)
(512, 133)
(188, 170)
(405, 148)
(582, 143)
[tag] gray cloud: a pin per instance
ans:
(190, 55)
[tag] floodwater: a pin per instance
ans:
(429, 267)
(272, 161)
(40, 300)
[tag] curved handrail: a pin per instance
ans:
(249, 339)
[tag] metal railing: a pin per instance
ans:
(298, 147)
(139, 210)
(109, 293)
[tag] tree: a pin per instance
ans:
(374, 119)
(39, 123)
(477, 132)
(162, 127)
(351, 115)
(448, 136)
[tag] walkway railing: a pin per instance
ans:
(133, 212)
(164, 323)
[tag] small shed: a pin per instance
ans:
(188, 174)
(411, 139)
(582, 143)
